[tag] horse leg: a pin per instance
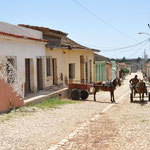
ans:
(95, 96)
(111, 96)
(142, 96)
(146, 92)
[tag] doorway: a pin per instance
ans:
(86, 71)
(27, 76)
(39, 74)
(82, 69)
(54, 61)
(90, 70)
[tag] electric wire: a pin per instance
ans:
(127, 47)
(133, 54)
(102, 20)
(116, 49)
(125, 51)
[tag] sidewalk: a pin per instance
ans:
(41, 95)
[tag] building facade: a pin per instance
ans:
(68, 61)
(25, 50)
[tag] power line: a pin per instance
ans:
(102, 20)
(128, 50)
(133, 54)
(117, 49)
(96, 46)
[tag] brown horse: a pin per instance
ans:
(141, 89)
(107, 87)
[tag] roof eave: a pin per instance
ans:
(22, 37)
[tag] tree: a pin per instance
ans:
(123, 59)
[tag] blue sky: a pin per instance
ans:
(127, 16)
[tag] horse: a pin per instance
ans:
(110, 87)
(141, 89)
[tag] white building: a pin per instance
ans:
(25, 50)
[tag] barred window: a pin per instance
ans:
(48, 66)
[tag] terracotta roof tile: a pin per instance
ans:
(68, 43)
(65, 41)
(98, 57)
(20, 36)
(43, 29)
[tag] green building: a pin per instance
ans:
(100, 71)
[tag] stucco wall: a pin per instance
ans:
(109, 71)
(100, 71)
(22, 49)
(8, 98)
(64, 58)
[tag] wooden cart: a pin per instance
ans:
(80, 90)
(132, 95)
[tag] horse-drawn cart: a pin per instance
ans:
(141, 88)
(80, 90)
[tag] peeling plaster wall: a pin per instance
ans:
(64, 58)
(22, 49)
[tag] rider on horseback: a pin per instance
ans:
(133, 82)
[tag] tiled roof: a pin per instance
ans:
(65, 41)
(70, 44)
(20, 36)
(98, 57)
(43, 29)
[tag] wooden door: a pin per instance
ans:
(54, 61)
(86, 72)
(90, 70)
(27, 76)
(39, 74)
(82, 69)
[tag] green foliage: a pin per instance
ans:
(125, 70)
(52, 103)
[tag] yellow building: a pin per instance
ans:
(71, 61)
(65, 59)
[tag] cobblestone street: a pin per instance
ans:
(125, 126)
(87, 125)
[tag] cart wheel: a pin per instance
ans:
(131, 97)
(75, 94)
(84, 94)
(149, 96)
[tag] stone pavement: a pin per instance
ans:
(124, 126)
